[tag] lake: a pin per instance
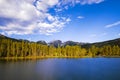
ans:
(61, 69)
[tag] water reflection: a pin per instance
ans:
(61, 69)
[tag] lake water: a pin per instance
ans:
(61, 69)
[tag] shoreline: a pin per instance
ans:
(49, 57)
(44, 57)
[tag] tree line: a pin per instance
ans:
(10, 48)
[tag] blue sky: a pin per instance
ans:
(76, 20)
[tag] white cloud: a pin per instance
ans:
(15, 28)
(43, 5)
(58, 9)
(49, 28)
(64, 4)
(113, 25)
(28, 19)
(83, 2)
(80, 17)
(90, 1)
(68, 20)
(32, 16)
(18, 9)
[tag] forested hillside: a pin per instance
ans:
(10, 47)
(101, 44)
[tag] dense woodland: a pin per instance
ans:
(21, 48)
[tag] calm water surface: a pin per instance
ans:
(61, 69)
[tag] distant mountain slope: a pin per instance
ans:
(71, 43)
(13, 39)
(2, 36)
(100, 44)
(5, 37)
(110, 42)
